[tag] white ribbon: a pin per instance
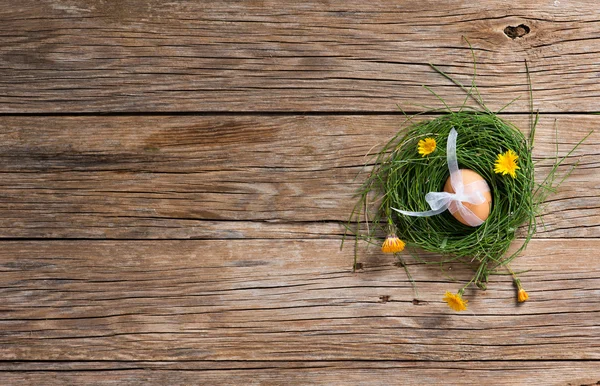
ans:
(471, 193)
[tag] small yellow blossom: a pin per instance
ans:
(455, 301)
(507, 164)
(522, 295)
(426, 146)
(392, 244)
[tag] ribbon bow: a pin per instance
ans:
(471, 193)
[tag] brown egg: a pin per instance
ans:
(482, 210)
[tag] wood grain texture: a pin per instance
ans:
(231, 176)
(129, 127)
(147, 56)
(542, 373)
(260, 300)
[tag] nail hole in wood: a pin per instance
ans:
(516, 32)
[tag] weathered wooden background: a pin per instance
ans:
(176, 176)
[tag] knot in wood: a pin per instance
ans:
(516, 32)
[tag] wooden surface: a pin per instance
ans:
(176, 178)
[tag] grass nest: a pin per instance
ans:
(402, 176)
(405, 177)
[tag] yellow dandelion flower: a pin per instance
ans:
(426, 146)
(507, 164)
(392, 244)
(522, 295)
(455, 301)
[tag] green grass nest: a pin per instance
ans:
(405, 177)
(401, 177)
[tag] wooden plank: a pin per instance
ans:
(543, 373)
(82, 56)
(230, 176)
(262, 300)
